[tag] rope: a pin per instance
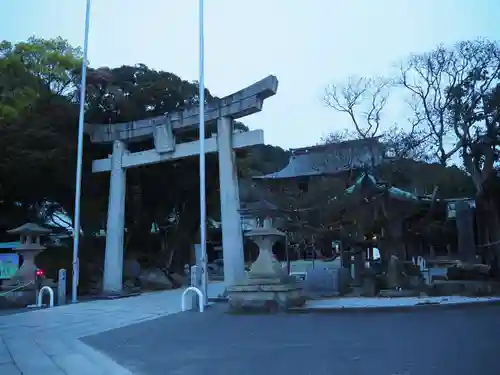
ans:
(489, 244)
(16, 288)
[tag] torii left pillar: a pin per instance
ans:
(113, 258)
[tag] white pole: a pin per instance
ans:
(203, 205)
(76, 221)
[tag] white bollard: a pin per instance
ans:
(40, 296)
(200, 298)
(422, 263)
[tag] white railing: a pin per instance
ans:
(424, 269)
(201, 300)
(40, 296)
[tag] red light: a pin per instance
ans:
(39, 273)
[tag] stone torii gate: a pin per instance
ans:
(162, 130)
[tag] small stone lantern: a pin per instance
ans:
(268, 287)
(28, 248)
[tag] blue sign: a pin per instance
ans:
(9, 264)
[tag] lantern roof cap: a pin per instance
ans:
(29, 228)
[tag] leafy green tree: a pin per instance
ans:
(18, 88)
(54, 62)
(38, 121)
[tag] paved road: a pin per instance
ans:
(445, 342)
(51, 336)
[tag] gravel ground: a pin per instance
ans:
(425, 342)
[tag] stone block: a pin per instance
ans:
(264, 298)
(468, 272)
(471, 288)
(344, 279)
(369, 286)
(178, 279)
(155, 279)
(322, 282)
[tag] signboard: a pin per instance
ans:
(300, 276)
(196, 275)
(9, 264)
(61, 287)
(452, 207)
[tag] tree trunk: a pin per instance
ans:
(170, 258)
(432, 252)
(494, 234)
(489, 238)
(166, 251)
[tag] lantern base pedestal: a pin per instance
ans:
(265, 298)
(268, 288)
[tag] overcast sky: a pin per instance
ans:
(306, 44)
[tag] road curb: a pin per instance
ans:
(383, 309)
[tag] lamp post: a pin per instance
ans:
(203, 205)
(78, 192)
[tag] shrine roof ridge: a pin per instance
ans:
(331, 159)
(239, 104)
(337, 145)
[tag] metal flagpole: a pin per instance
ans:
(203, 205)
(76, 221)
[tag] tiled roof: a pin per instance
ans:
(331, 159)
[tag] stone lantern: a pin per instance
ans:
(28, 248)
(268, 286)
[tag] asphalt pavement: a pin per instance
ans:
(431, 342)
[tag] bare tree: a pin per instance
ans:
(474, 113)
(428, 77)
(339, 136)
(363, 100)
(457, 91)
(399, 143)
(407, 144)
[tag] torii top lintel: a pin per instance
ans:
(240, 104)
